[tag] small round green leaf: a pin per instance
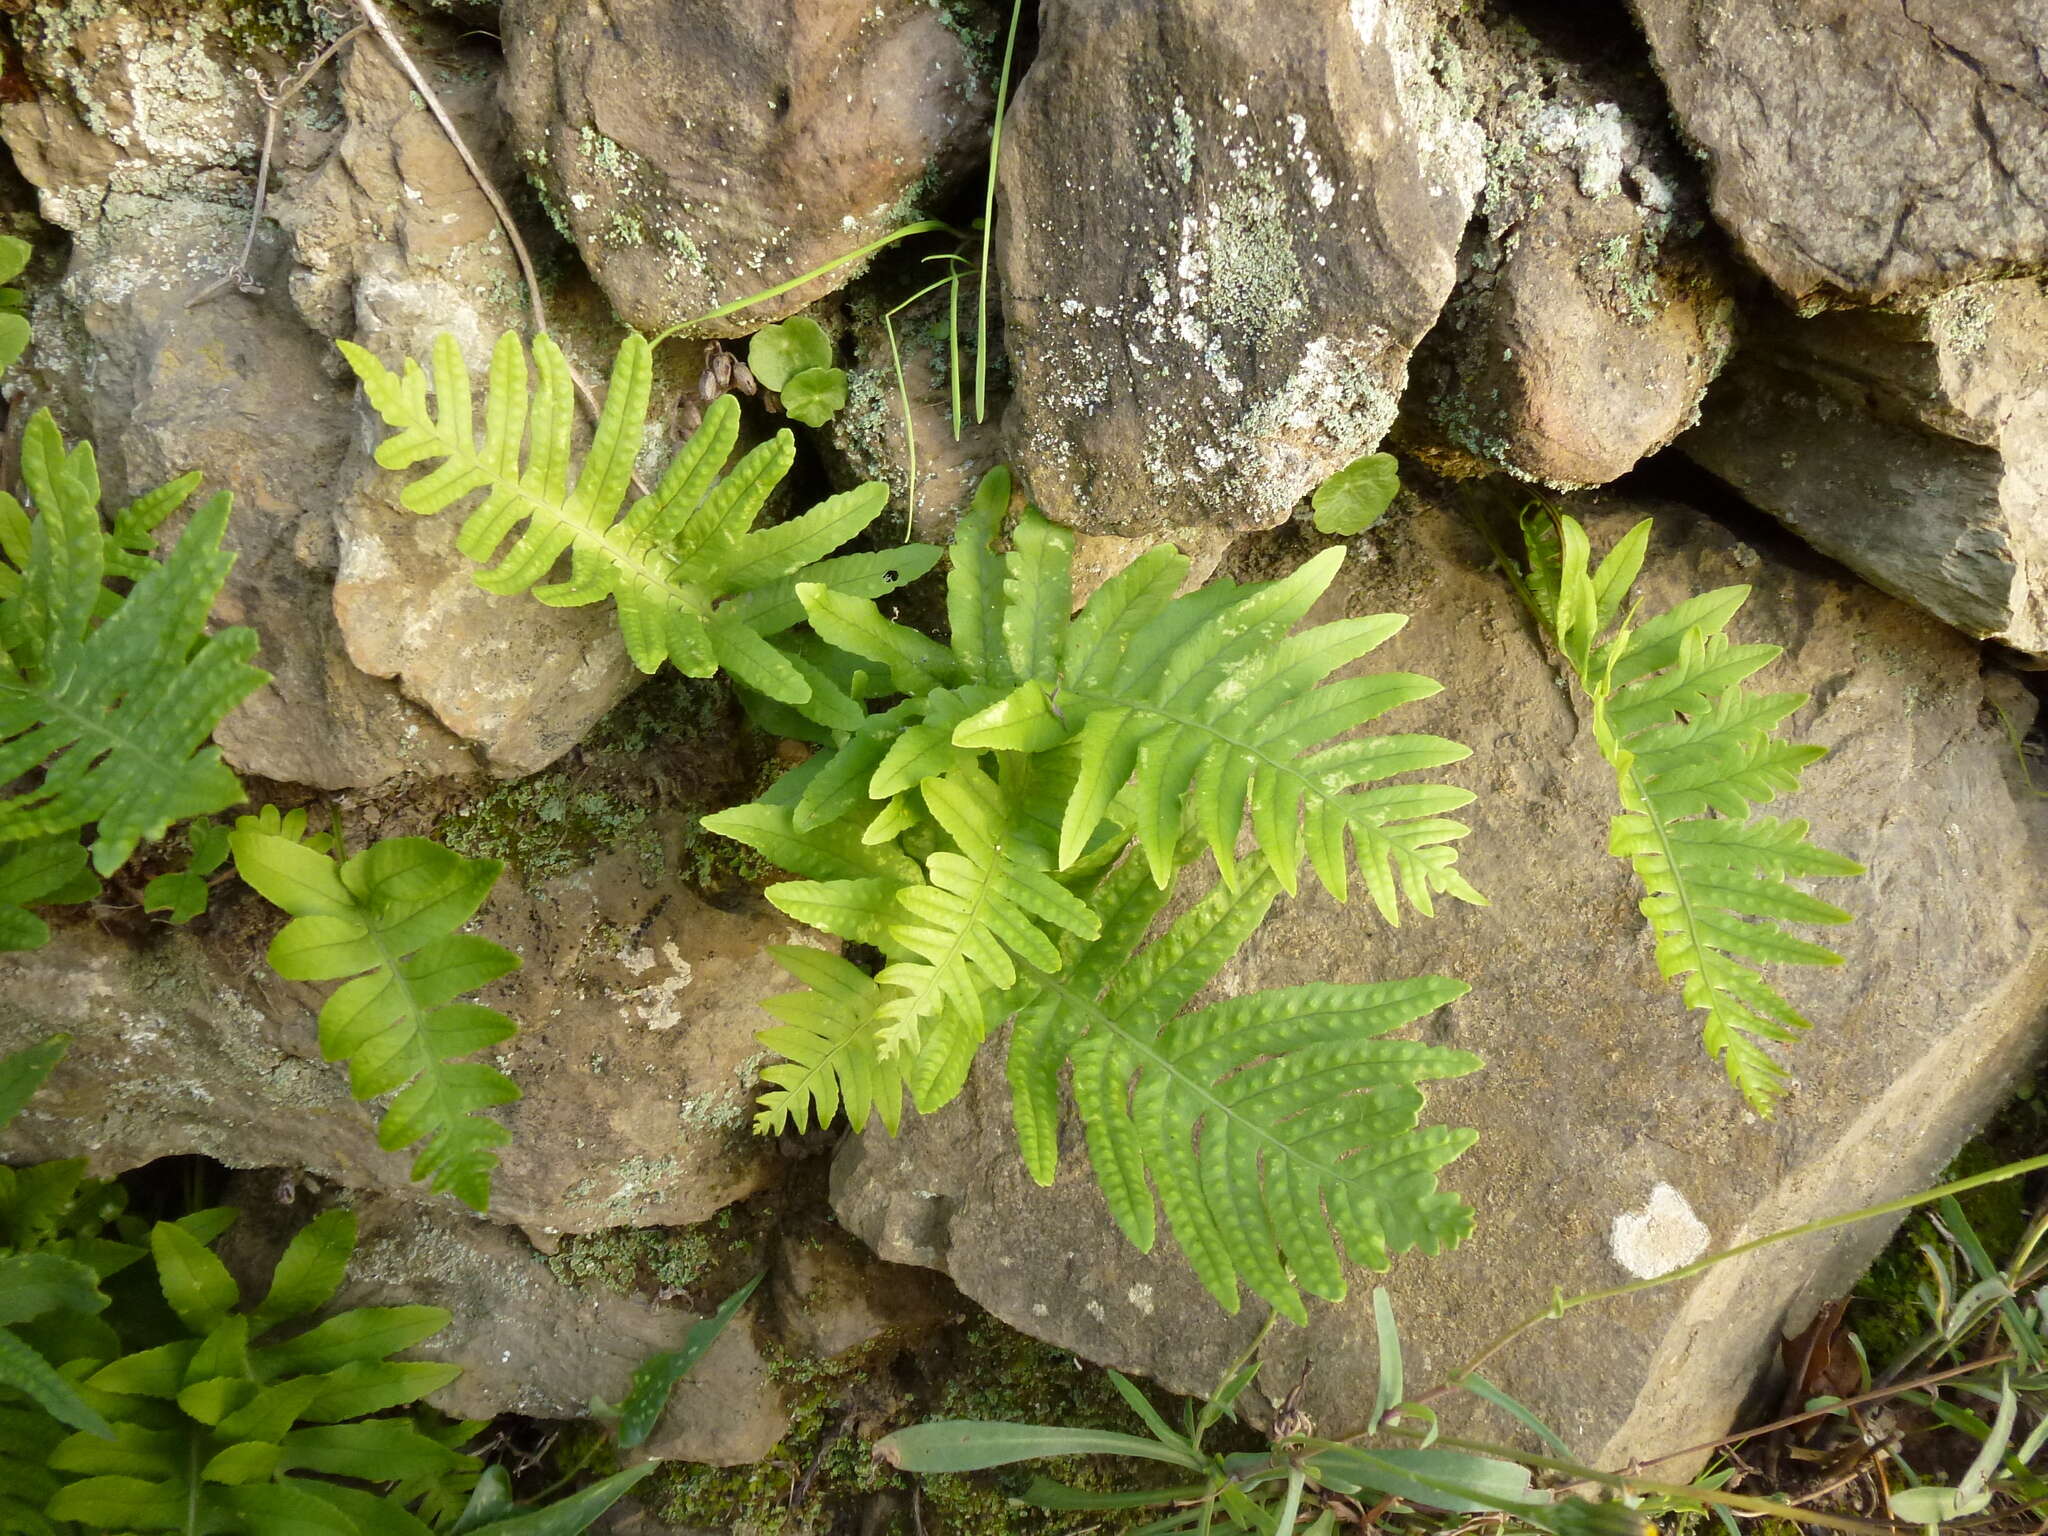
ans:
(778, 353)
(1357, 496)
(813, 395)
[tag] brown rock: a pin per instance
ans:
(1912, 447)
(529, 1343)
(1210, 311)
(637, 1007)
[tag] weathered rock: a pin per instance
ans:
(1596, 1092)
(531, 1343)
(637, 1005)
(139, 141)
(1211, 311)
(1861, 152)
(701, 152)
(1589, 316)
(1911, 447)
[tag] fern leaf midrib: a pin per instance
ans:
(618, 550)
(89, 727)
(419, 1049)
(1702, 951)
(1205, 1092)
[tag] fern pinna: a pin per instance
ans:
(108, 693)
(1692, 753)
(694, 582)
(974, 831)
(388, 919)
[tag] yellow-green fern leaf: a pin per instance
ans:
(1693, 753)
(671, 560)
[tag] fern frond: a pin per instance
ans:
(672, 560)
(1693, 754)
(1261, 1123)
(388, 918)
(113, 700)
(961, 830)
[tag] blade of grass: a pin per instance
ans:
(988, 216)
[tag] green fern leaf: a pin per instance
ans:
(44, 871)
(1263, 1122)
(1693, 753)
(674, 560)
(113, 702)
(388, 918)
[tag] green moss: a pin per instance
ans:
(545, 826)
(631, 1259)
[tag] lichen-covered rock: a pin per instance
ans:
(139, 140)
(698, 152)
(1912, 447)
(1595, 1095)
(637, 1006)
(1589, 315)
(1865, 151)
(1210, 310)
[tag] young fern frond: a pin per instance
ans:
(389, 918)
(1692, 754)
(694, 582)
(112, 695)
(1263, 1121)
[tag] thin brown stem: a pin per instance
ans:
(239, 275)
(1876, 1394)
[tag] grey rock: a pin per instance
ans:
(636, 1053)
(701, 152)
(1862, 152)
(1911, 447)
(1595, 1094)
(1210, 310)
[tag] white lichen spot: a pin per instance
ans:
(1094, 1310)
(1140, 1296)
(1664, 1235)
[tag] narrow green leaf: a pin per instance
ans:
(972, 1445)
(656, 1376)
